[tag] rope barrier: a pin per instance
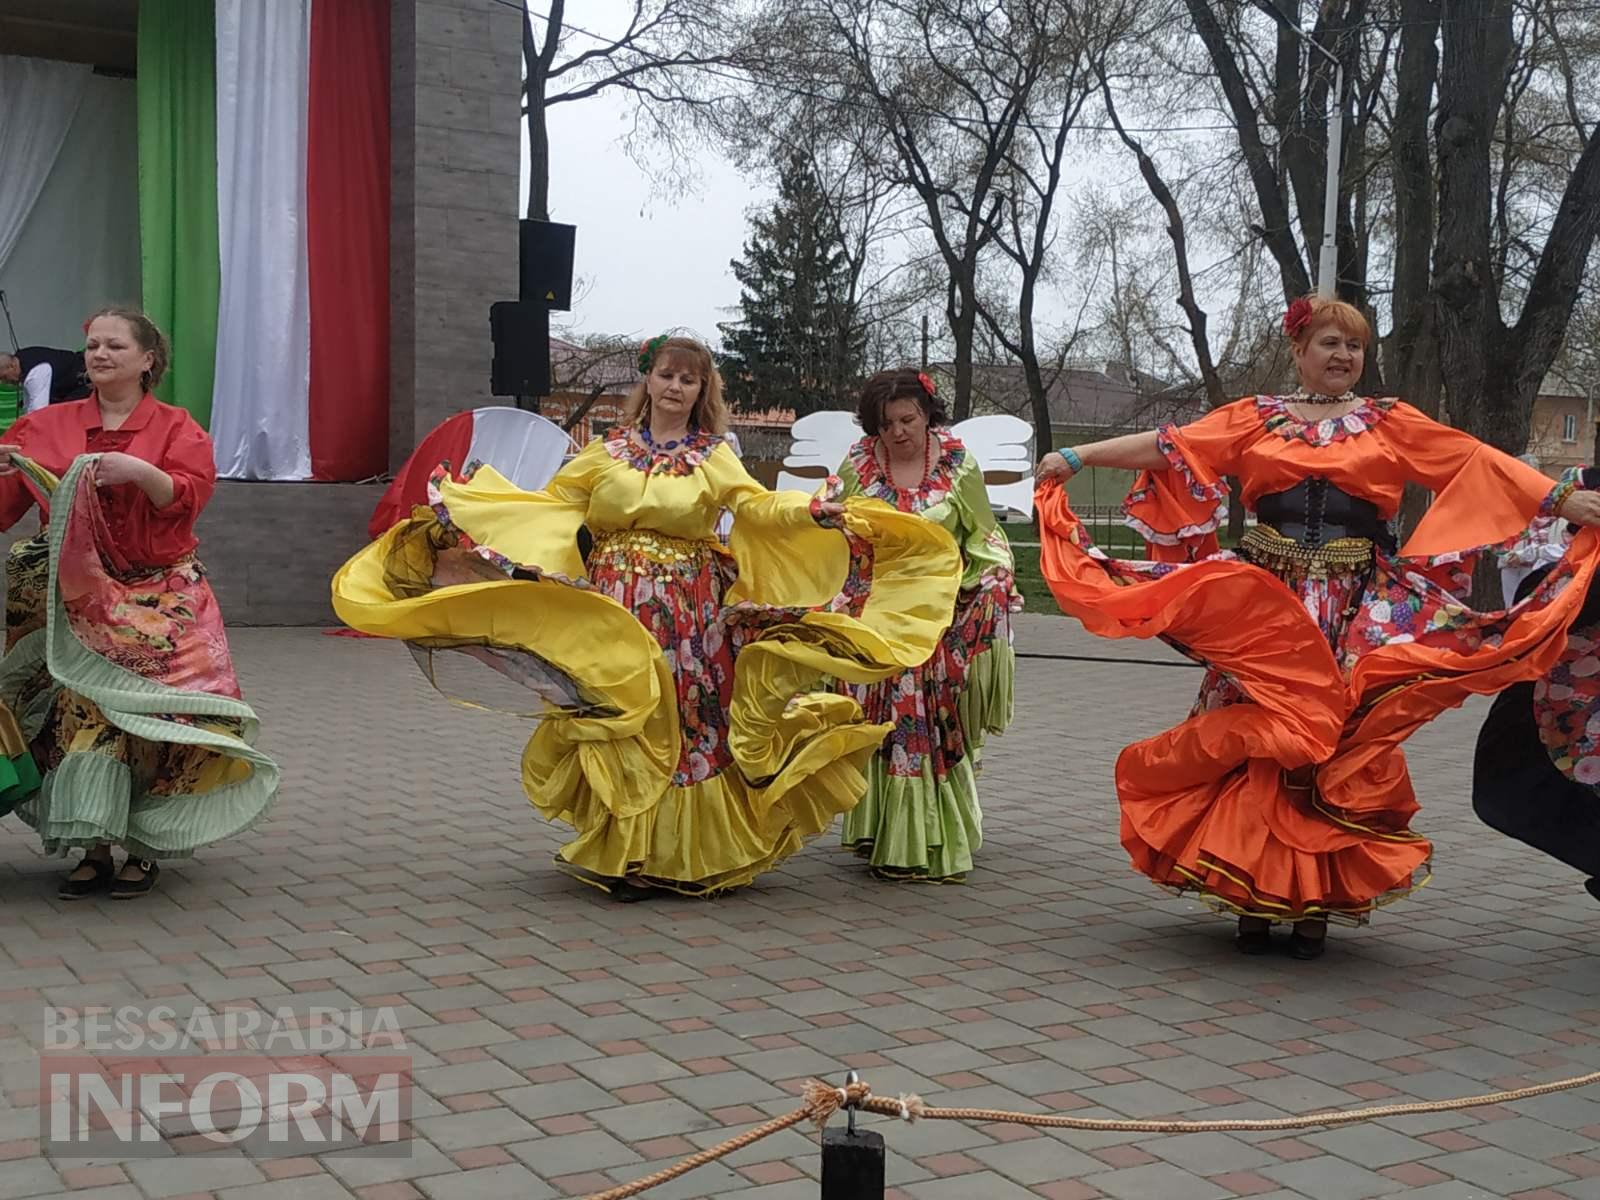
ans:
(820, 1102)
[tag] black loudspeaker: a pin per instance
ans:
(521, 349)
(546, 250)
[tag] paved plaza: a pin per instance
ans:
(565, 1043)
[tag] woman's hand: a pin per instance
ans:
(830, 510)
(1053, 468)
(1581, 508)
(7, 467)
(116, 467)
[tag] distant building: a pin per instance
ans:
(1562, 432)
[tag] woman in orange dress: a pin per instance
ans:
(1284, 797)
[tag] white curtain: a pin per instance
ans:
(79, 248)
(38, 100)
(260, 417)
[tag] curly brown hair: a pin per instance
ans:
(147, 335)
(899, 383)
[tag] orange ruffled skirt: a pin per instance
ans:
(1297, 802)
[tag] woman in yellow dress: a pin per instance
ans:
(687, 734)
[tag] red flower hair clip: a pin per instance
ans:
(927, 384)
(1297, 318)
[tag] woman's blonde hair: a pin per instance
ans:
(710, 412)
(1346, 318)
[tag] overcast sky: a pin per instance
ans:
(649, 262)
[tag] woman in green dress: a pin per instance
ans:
(920, 818)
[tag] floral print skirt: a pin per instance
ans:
(920, 819)
(674, 587)
(158, 784)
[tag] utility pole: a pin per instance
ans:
(1328, 262)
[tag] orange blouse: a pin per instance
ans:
(1483, 496)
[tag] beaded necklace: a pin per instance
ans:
(664, 447)
(1301, 396)
(927, 461)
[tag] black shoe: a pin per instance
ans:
(1593, 887)
(627, 892)
(1306, 948)
(1255, 940)
(78, 889)
(128, 889)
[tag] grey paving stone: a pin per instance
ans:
(1371, 1145)
(319, 1187)
(653, 1119)
(488, 1183)
(965, 1187)
(486, 1127)
(1330, 1178)
(624, 1070)
(1498, 1171)
(1036, 1160)
(573, 1154)
(158, 1177)
(1155, 1181)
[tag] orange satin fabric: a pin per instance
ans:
(1206, 805)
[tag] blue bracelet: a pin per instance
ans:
(1071, 455)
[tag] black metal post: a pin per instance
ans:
(852, 1160)
(852, 1164)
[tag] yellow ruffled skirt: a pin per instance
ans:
(670, 771)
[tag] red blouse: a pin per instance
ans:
(161, 434)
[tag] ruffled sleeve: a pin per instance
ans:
(1482, 496)
(985, 552)
(841, 485)
(1179, 509)
(784, 556)
(527, 529)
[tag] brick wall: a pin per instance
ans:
(271, 548)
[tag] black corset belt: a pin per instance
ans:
(1315, 512)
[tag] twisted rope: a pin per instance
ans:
(822, 1101)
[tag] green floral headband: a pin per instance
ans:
(647, 352)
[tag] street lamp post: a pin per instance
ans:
(1328, 262)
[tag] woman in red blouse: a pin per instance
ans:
(116, 668)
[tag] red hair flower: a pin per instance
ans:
(1297, 318)
(927, 384)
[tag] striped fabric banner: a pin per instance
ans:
(261, 420)
(264, 226)
(178, 191)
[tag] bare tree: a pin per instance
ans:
(1492, 370)
(1072, 39)
(949, 85)
(677, 58)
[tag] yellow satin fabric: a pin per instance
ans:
(606, 768)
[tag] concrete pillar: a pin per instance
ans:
(456, 117)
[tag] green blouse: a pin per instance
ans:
(952, 494)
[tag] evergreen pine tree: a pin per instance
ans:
(798, 343)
